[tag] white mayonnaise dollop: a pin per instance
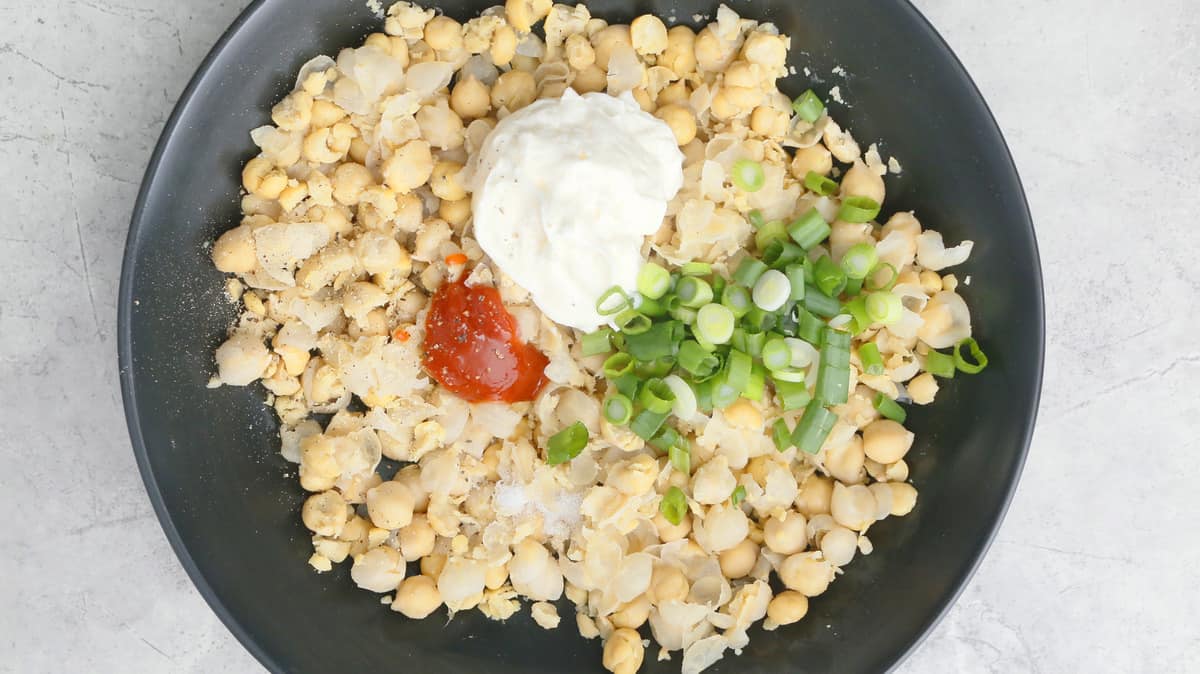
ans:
(565, 192)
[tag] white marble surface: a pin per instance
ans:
(1096, 568)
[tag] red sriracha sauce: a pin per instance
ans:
(472, 347)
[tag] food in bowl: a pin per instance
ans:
(622, 311)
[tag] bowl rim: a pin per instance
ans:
(125, 303)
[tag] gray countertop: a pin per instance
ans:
(1096, 568)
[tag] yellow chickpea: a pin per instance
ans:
(443, 33)
(470, 98)
(676, 93)
(605, 41)
(262, 179)
(769, 122)
(234, 252)
(417, 597)
(648, 34)
(523, 14)
(643, 99)
(455, 212)
(623, 652)
(815, 495)
(861, 181)
(579, 51)
(681, 120)
(349, 181)
(591, 78)
(738, 561)
(514, 90)
(444, 181)
(680, 54)
(816, 159)
(712, 54)
(504, 45)
(786, 608)
(409, 167)
(668, 532)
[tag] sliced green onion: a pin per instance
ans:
(632, 322)
(596, 343)
(738, 495)
(833, 384)
(890, 408)
(649, 307)
(813, 428)
(659, 367)
(723, 394)
(696, 361)
(737, 299)
(696, 269)
(809, 328)
(774, 230)
(627, 384)
(873, 285)
(819, 303)
(704, 389)
(566, 444)
(618, 409)
(977, 354)
(796, 274)
(693, 292)
(645, 424)
(792, 394)
(802, 353)
(872, 362)
(859, 260)
(857, 308)
(815, 182)
(753, 342)
(737, 369)
(781, 435)
(667, 438)
(809, 229)
(673, 505)
(617, 365)
(771, 291)
(714, 323)
(681, 459)
(747, 175)
(829, 277)
(755, 218)
(853, 286)
(776, 355)
(748, 272)
(858, 209)
(758, 320)
(791, 375)
(835, 339)
(718, 286)
(653, 280)
(656, 396)
(685, 315)
(757, 385)
(808, 106)
(685, 397)
(780, 253)
(660, 339)
(612, 301)
(940, 364)
(884, 307)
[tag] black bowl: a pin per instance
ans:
(229, 502)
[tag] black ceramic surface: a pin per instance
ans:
(229, 503)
